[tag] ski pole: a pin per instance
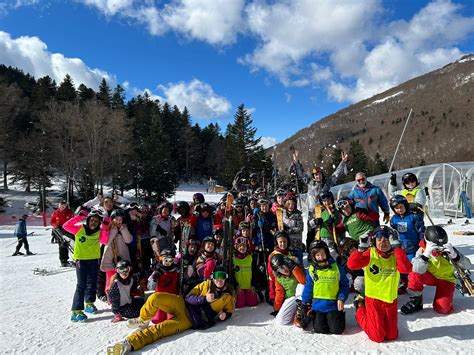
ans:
(425, 211)
(401, 137)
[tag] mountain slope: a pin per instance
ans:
(440, 129)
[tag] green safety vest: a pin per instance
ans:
(289, 283)
(381, 277)
(441, 269)
(410, 194)
(86, 247)
(326, 282)
(243, 271)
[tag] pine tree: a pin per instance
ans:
(359, 159)
(103, 96)
(85, 94)
(44, 91)
(118, 98)
(66, 90)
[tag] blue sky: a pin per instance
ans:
(290, 62)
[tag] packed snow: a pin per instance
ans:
(35, 311)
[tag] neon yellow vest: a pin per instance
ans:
(86, 247)
(289, 283)
(381, 277)
(243, 271)
(441, 269)
(326, 285)
(410, 194)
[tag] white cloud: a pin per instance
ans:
(198, 97)
(109, 7)
(32, 56)
(267, 142)
(288, 97)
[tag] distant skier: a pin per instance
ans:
(21, 234)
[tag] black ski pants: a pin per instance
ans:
(329, 322)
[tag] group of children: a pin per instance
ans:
(192, 290)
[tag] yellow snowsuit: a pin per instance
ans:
(175, 305)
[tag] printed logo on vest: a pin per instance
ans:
(82, 239)
(374, 269)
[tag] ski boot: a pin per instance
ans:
(121, 348)
(17, 253)
(29, 253)
(136, 323)
(78, 316)
(414, 305)
(359, 301)
(402, 288)
(303, 316)
(90, 308)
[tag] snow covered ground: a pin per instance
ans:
(34, 315)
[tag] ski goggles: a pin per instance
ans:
(124, 270)
(382, 234)
(168, 259)
(342, 204)
(409, 179)
(219, 275)
(240, 240)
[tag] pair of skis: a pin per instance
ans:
(228, 236)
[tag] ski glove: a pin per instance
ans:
(448, 248)
(117, 318)
(393, 179)
(430, 248)
(363, 243)
(394, 241)
(312, 223)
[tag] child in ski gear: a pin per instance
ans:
(162, 226)
(209, 302)
(190, 276)
(204, 222)
(433, 266)
(245, 232)
(289, 282)
(244, 271)
(412, 191)
(410, 228)
(266, 224)
(21, 233)
(282, 246)
(382, 263)
(121, 284)
(330, 223)
(185, 217)
(318, 184)
(116, 248)
(238, 212)
(368, 198)
(279, 200)
(356, 223)
(60, 215)
(206, 262)
(87, 256)
(164, 278)
(198, 199)
(326, 289)
(293, 224)
(346, 247)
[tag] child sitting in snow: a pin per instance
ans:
(121, 285)
(326, 290)
(206, 262)
(289, 281)
(282, 246)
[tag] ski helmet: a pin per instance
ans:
(264, 201)
(123, 266)
(95, 213)
(281, 234)
(205, 207)
(343, 202)
(326, 196)
(238, 203)
(436, 234)
(279, 192)
(163, 205)
(183, 208)
(345, 246)
(167, 253)
(399, 199)
(318, 170)
(193, 242)
(314, 247)
(198, 198)
(117, 213)
(277, 261)
(260, 191)
(409, 177)
(383, 232)
(243, 225)
(253, 176)
(290, 196)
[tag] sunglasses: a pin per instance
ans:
(361, 180)
(342, 204)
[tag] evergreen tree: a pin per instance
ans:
(118, 98)
(85, 94)
(104, 96)
(66, 90)
(44, 91)
(359, 159)
(379, 166)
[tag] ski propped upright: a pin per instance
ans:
(227, 225)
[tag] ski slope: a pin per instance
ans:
(35, 311)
